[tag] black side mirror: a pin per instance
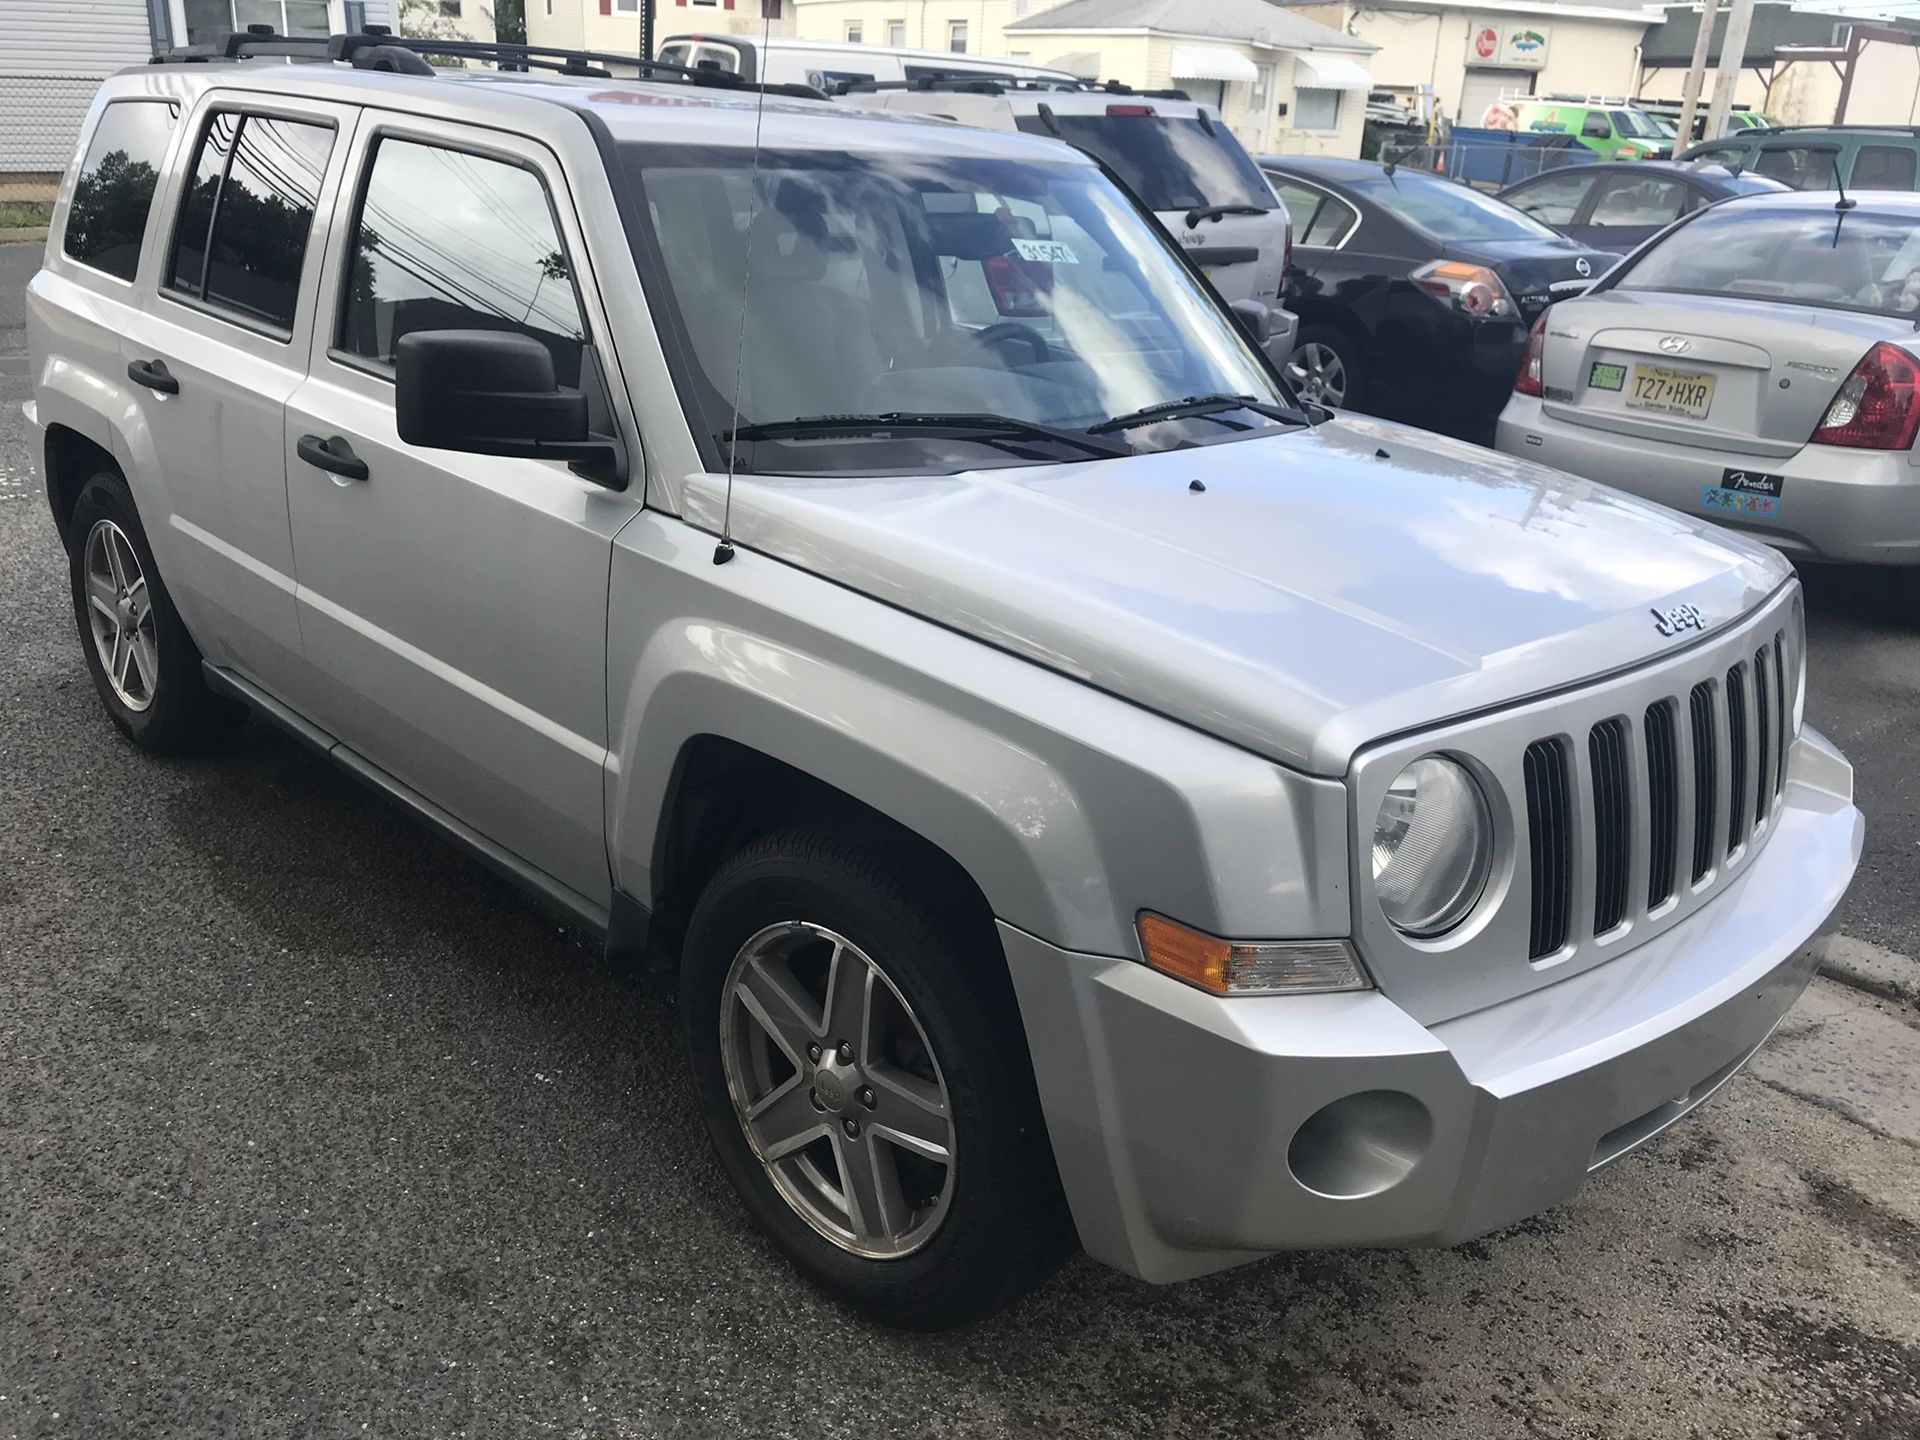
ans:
(493, 392)
(1255, 319)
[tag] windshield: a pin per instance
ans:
(1442, 210)
(1637, 122)
(895, 283)
(1857, 260)
(1170, 164)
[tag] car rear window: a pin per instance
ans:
(1442, 210)
(1170, 163)
(241, 244)
(1855, 260)
(108, 216)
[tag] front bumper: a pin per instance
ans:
(1194, 1133)
(1850, 506)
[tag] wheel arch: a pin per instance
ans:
(70, 459)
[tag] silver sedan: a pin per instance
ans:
(1758, 363)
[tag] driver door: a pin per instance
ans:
(457, 603)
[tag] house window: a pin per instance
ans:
(897, 34)
(208, 18)
(450, 9)
(855, 33)
(1316, 109)
(627, 7)
(957, 36)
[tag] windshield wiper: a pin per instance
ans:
(1214, 212)
(1196, 407)
(989, 428)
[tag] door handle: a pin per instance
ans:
(335, 456)
(154, 375)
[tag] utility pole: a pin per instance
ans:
(646, 29)
(1696, 73)
(1733, 58)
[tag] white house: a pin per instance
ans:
(55, 53)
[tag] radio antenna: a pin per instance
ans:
(723, 552)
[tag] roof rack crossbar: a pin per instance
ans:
(374, 45)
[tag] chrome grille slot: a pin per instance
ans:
(1706, 776)
(1781, 735)
(1549, 845)
(1763, 747)
(1663, 802)
(1612, 817)
(1736, 757)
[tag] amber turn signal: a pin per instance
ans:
(1242, 967)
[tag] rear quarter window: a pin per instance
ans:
(107, 218)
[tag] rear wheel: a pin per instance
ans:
(1325, 368)
(144, 664)
(862, 1071)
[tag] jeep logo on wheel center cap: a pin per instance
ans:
(828, 1087)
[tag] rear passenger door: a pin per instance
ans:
(458, 603)
(211, 360)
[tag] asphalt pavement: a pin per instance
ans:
(310, 1128)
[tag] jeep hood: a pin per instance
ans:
(1326, 587)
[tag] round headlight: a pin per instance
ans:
(1432, 847)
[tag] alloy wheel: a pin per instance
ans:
(120, 614)
(837, 1090)
(1318, 373)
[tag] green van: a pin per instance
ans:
(1872, 157)
(1614, 132)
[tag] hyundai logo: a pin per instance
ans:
(1582, 267)
(1675, 344)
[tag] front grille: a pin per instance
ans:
(1706, 769)
(1696, 773)
(1663, 802)
(1549, 845)
(1612, 816)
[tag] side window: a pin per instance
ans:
(1639, 202)
(1803, 169)
(1883, 167)
(1302, 204)
(108, 216)
(241, 242)
(1553, 199)
(446, 240)
(1597, 126)
(1332, 224)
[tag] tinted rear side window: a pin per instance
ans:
(111, 199)
(248, 215)
(446, 240)
(1883, 167)
(1170, 164)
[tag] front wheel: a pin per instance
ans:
(1325, 369)
(862, 1071)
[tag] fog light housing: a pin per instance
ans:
(1248, 967)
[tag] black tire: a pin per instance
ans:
(183, 715)
(1006, 1223)
(1342, 345)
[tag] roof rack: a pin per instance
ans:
(377, 48)
(1913, 130)
(961, 83)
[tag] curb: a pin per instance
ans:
(1873, 969)
(27, 236)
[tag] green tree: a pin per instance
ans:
(510, 21)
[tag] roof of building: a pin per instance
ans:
(1251, 22)
(1774, 25)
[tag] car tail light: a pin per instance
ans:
(1018, 288)
(1878, 405)
(1471, 289)
(1129, 109)
(1526, 380)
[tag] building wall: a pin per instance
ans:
(579, 25)
(925, 22)
(1429, 47)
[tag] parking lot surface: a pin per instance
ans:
(310, 1128)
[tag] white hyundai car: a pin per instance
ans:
(1759, 364)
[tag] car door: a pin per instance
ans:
(214, 357)
(1628, 208)
(1322, 224)
(458, 602)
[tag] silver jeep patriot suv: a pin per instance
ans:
(1081, 790)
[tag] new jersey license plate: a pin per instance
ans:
(1671, 392)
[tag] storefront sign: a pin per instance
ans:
(1521, 46)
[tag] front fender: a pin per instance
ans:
(1069, 808)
